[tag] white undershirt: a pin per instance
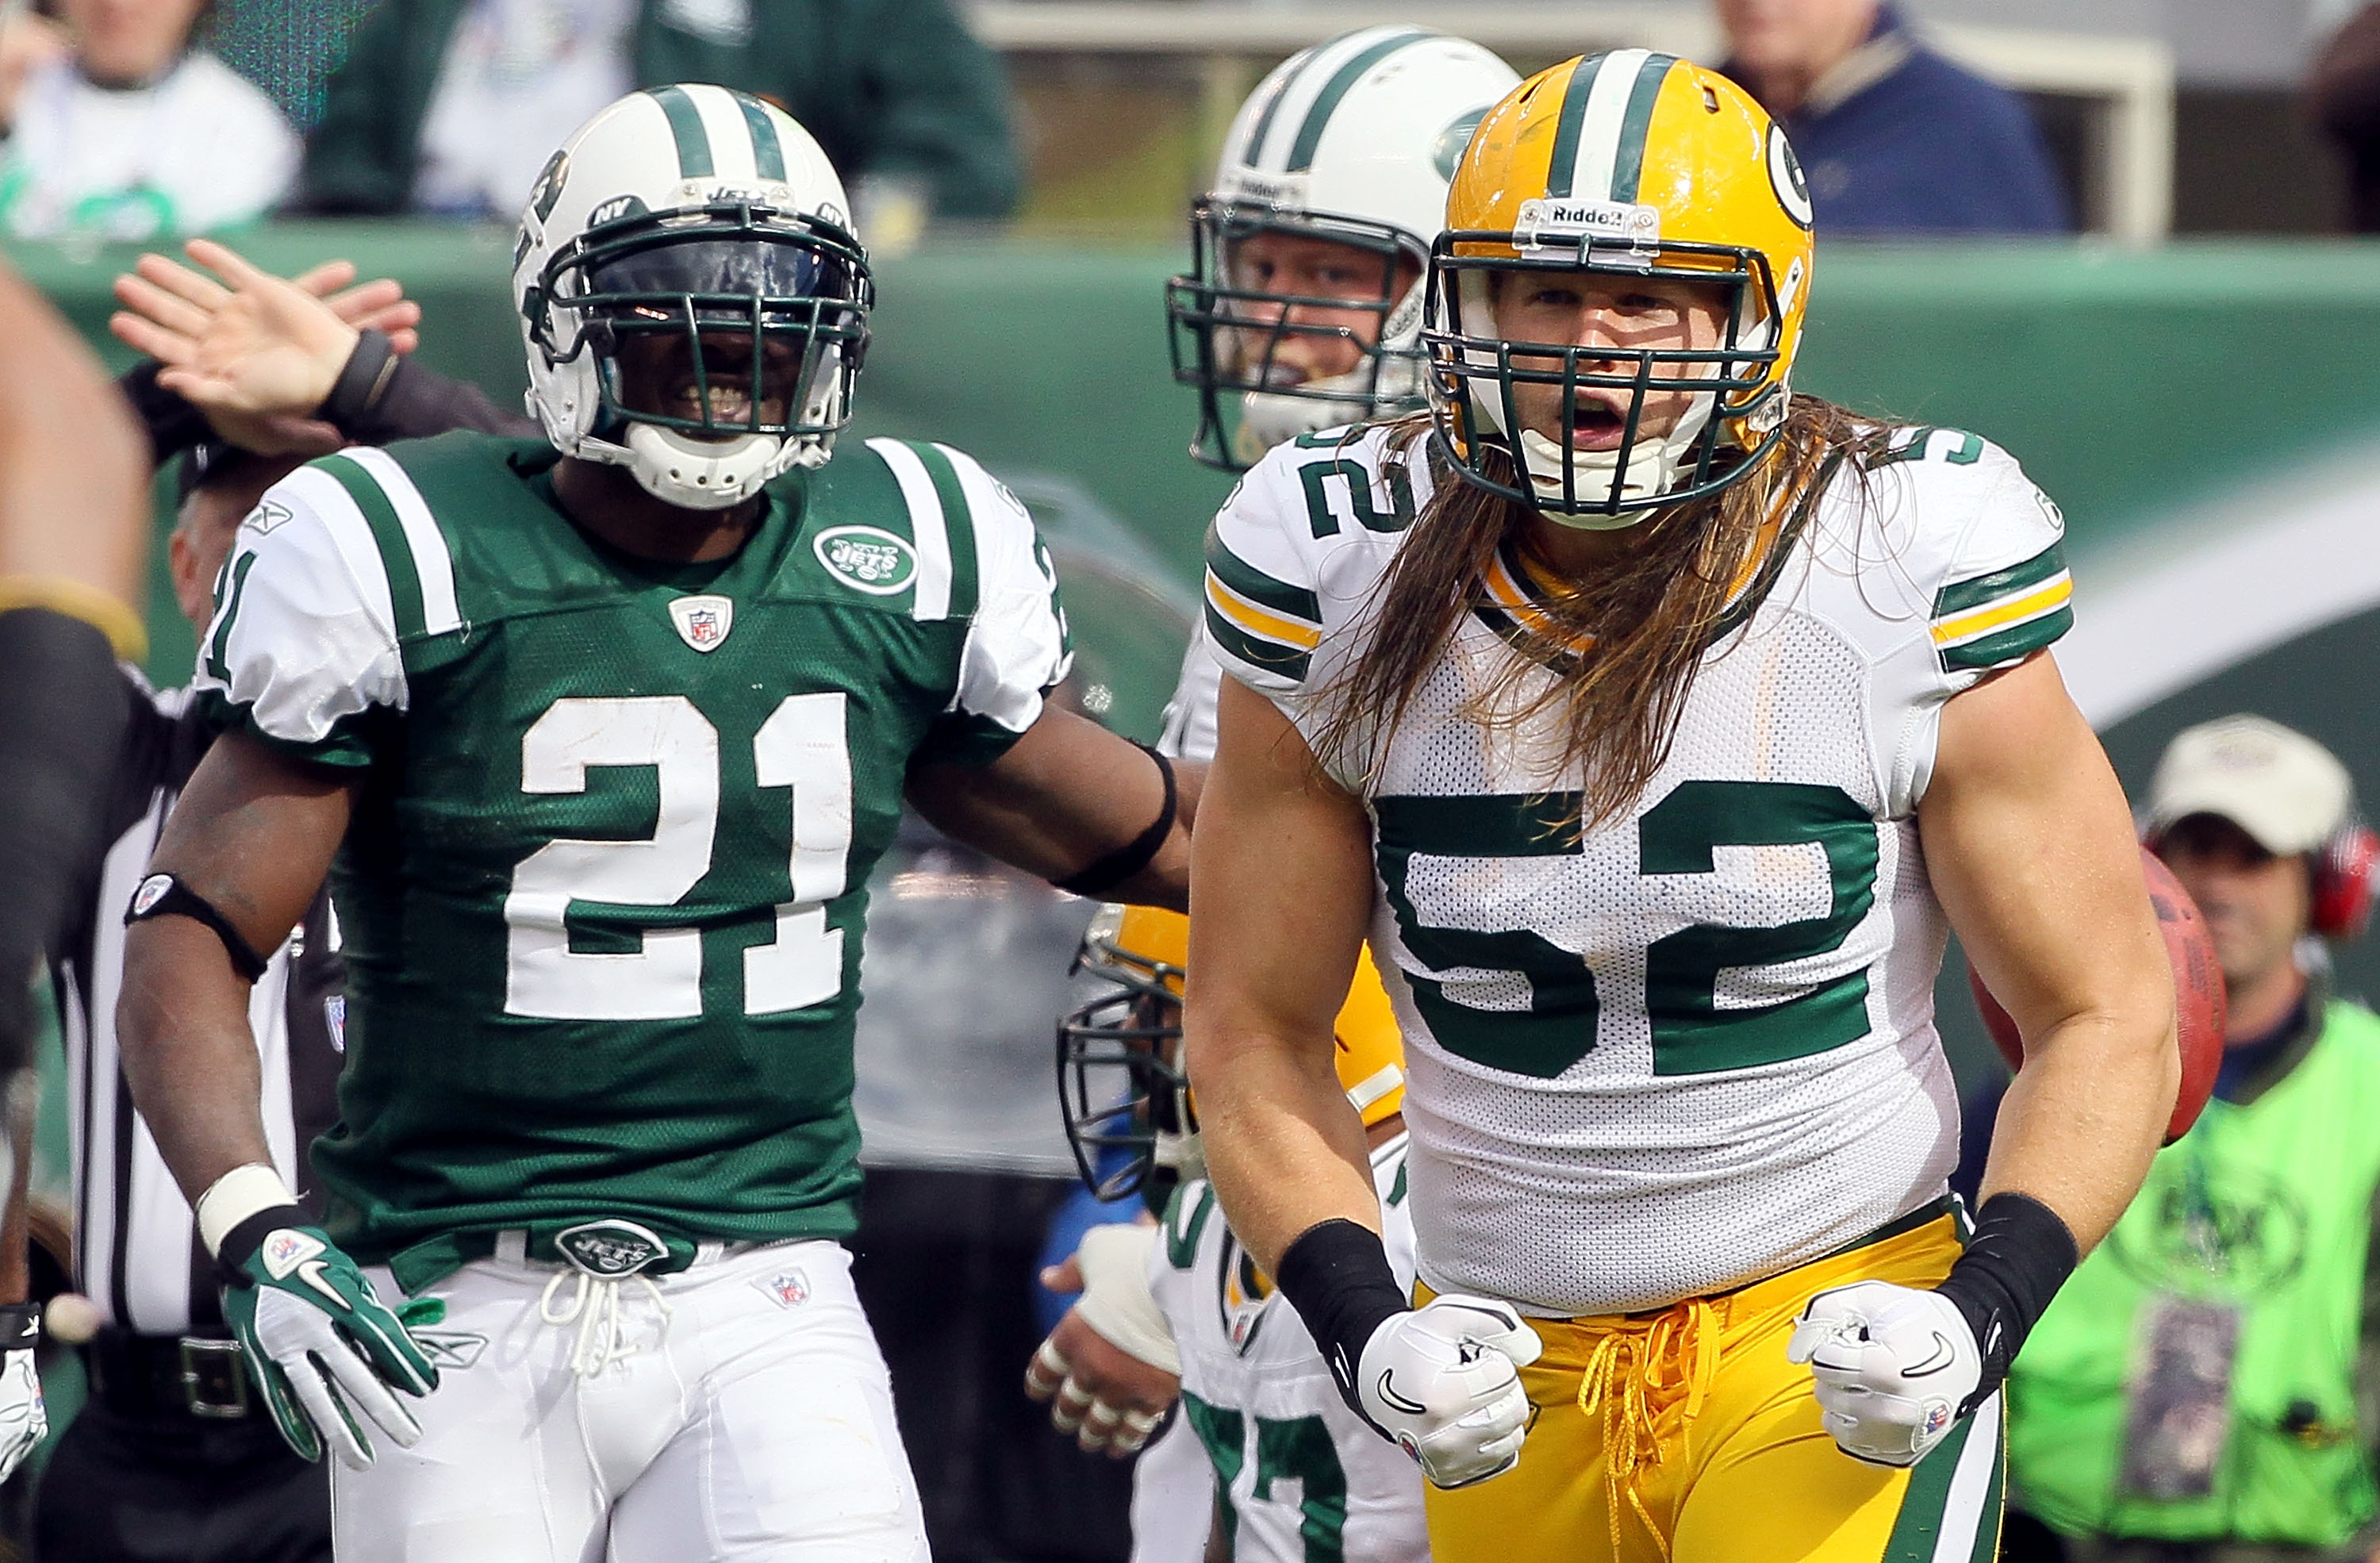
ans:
(518, 78)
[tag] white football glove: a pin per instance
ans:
(24, 1421)
(1443, 1381)
(1892, 1365)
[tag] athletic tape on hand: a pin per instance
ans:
(1117, 1303)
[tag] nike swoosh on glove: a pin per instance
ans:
(1443, 1381)
(1892, 1366)
(321, 1344)
(24, 1420)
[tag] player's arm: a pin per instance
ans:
(252, 837)
(1284, 877)
(1077, 806)
(2030, 848)
(1287, 854)
(247, 848)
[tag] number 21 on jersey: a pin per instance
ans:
(801, 745)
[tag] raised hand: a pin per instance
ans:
(256, 353)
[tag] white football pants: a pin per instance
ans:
(743, 1414)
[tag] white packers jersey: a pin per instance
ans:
(1303, 1479)
(1695, 1046)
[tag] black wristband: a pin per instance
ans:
(2021, 1254)
(20, 1327)
(240, 1243)
(1337, 1277)
(1135, 856)
(162, 895)
(357, 388)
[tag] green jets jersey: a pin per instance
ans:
(603, 892)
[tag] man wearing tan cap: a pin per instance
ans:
(2192, 1391)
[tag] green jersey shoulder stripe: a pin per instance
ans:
(1244, 578)
(928, 527)
(694, 161)
(434, 558)
(1977, 591)
(768, 153)
(2008, 645)
(1286, 662)
(1317, 118)
(411, 597)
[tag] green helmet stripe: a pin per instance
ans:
(1575, 92)
(1254, 148)
(1317, 118)
(768, 154)
(685, 126)
(1628, 161)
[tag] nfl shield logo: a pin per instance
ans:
(787, 1289)
(703, 622)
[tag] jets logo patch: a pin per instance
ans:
(610, 1247)
(867, 558)
(786, 1288)
(703, 622)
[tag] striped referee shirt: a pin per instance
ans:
(136, 1251)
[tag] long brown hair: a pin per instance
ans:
(1649, 617)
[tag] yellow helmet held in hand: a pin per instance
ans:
(1624, 164)
(1121, 1088)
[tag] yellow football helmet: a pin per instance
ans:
(1124, 1131)
(1621, 164)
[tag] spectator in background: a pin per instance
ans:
(121, 128)
(1892, 138)
(450, 106)
(2194, 1393)
(2343, 94)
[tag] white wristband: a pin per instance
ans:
(236, 1196)
(1116, 1302)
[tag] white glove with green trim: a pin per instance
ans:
(321, 1345)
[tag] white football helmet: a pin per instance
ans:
(683, 236)
(1351, 141)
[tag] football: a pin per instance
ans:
(2197, 993)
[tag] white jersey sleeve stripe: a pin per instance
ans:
(929, 529)
(433, 563)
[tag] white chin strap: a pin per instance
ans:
(1644, 469)
(702, 474)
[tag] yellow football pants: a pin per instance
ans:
(1685, 1436)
